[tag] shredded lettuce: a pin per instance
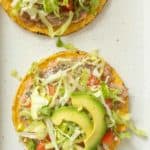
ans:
(64, 27)
(97, 61)
(31, 144)
(96, 71)
(54, 6)
(16, 4)
(135, 130)
(111, 93)
(53, 77)
(28, 135)
(99, 94)
(68, 128)
(25, 113)
(45, 111)
(22, 6)
(31, 12)
(61, 136)
(67, 85)
(65, 2)
(121, 119)
(94, 5)
(68, 46)
(46, 23)
(81, 3)
(36, 130)
(53, 102)
(34, 69)
(51, 6)
(37, 102)
(61, 29)
(62, 73)
(75, 135)
(64, 135)
(67, 134)
(49, 146)
(51, 132)
(126, 120)
(16, 75)
(125, 135)
(59, 76)
(67, 145)
(68, 90)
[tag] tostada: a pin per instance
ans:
(53, 17)
(72, 100)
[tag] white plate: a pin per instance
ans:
(117, 32)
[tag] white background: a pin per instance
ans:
(119, 35)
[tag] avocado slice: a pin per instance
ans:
(97, 111)
(69, 113)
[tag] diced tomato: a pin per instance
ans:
(51, 89)
(69, 7)
(93, 80)
(108, 138)
(40, 146)
(109, 103)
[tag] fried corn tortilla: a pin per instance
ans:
(34, 25)
(52, 66)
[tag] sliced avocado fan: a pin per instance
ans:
(97, 111)
(92, 124)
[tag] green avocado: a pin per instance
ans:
(69, 113)
(97, 112)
